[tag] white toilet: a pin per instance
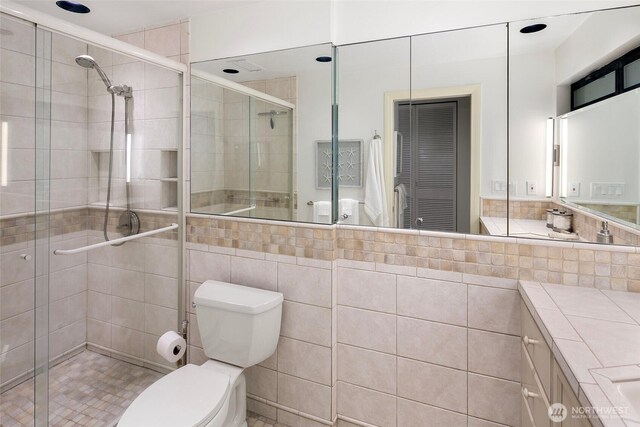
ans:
(239, 327)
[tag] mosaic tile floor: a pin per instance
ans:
(87, 390)
(255, 420)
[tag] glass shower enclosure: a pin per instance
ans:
(90, 224)
(242, 150)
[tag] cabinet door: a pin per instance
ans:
(563, 393)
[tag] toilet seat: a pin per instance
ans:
(188, 397)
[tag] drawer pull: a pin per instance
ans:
(529, 341)
(526, 393)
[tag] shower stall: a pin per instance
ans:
(242, 150)
(90, 220)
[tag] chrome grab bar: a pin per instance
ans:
(250, 208)
(114, 241)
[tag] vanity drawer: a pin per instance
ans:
(537, 349)
(535, 400)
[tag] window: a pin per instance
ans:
(618, 76)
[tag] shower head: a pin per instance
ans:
(87, 61)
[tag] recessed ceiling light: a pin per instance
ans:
(230, 71)
(323, 59)
(533, 28)
(74, 7)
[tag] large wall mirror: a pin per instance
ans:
(432, 112)
(526, 129)
(258, 123)
(574, 128)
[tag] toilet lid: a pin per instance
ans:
(187, 397)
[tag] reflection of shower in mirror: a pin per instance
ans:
(272, 114)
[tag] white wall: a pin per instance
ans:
(599, 40)
(356, 21)
(532, 96)
(314, 124)
(260, 27)
(603, 146)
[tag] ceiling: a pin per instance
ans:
(425, 50)
(124, 16)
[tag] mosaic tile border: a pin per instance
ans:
(24, 228)
(578, 264)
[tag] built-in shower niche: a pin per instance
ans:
(169, 179)
(154, 179)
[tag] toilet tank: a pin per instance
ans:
(238, 325)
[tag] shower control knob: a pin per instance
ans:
(25, 257)
(419, 221)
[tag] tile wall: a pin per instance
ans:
(417, 345)
(357, 316)
(17, 112)
(299, 375)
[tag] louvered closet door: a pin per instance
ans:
(433, 170)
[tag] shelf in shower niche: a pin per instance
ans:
(170, 209)
(169, 165)
(169, 179)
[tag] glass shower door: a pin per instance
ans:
(271, 160)
(23, 164)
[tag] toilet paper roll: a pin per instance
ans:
(171, 346)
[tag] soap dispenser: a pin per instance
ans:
(604, 235)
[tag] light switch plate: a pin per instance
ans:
(498, 186)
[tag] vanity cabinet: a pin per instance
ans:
(563, 393)
(543, 382)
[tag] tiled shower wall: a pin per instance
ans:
(150, 273)
(361, 302)
(133, 289)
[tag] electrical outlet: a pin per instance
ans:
(574, 189)
(532, 188)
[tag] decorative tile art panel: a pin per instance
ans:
(349, 163)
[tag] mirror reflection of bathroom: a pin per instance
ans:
(574, 136)
(255, 120)
(431, 110)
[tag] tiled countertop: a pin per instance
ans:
(531, 228)
(595, 337)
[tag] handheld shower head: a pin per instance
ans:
(87, 61)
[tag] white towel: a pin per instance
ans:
(402, 197)
(322, 212)
(401, 204)
(375, 197)
(350, 208)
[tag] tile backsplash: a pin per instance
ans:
(581, 264)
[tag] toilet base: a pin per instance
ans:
(237, 400)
